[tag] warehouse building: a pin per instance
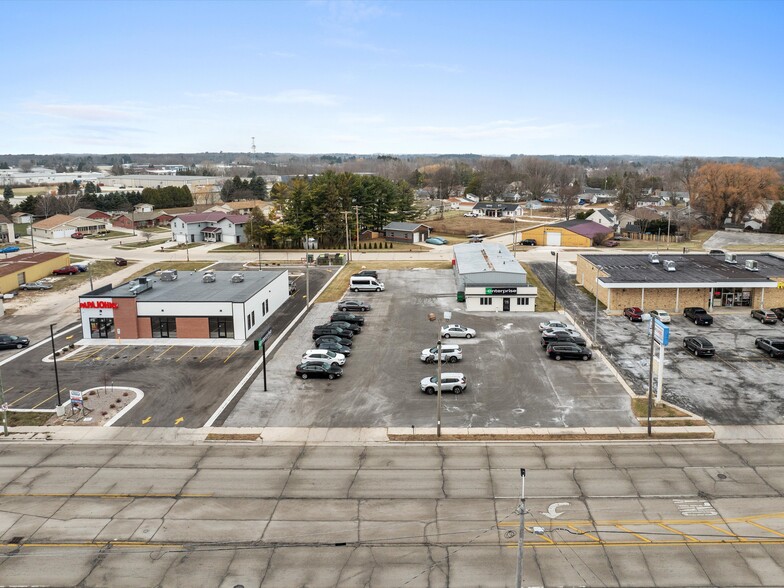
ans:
(490, 278)
(185, 305)
(29, 267)
(571, 233)
(673, 282)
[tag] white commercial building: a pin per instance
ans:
(490, 278)
(192, 305)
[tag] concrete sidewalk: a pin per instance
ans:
(381, 435)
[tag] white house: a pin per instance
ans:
(604, 217)
(498, 209)
(210, 227)
(143, 207)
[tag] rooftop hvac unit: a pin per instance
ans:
(653, 257)
(751, 265)
(168, 275)
(237, 278)
(208, 277)
(669, 265)
(730, 258)
(139, 285)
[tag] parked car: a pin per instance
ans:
(39, 285)
(766, 317)
(551, 332)
(562, 337)
(77, 235)
(476, 238)
(779, 312)
(473, 213)
(435, 241)
(448, 331)
(699, 346)
(324, 355)
(120, 261)
(566, 350)
(662, 315)
(528, 242)
(449, 353)
(68, 270)
(367, 274)
(82, 266)
(348, 318)
(9, 249)
(773, 347)
(454, 382)
(698, 314)
(611, 243)
(334, 339)
(322, 330)
(346, 326)
(333, 346)
(317, 369)
(13, 342)
(554, 325)
(353, 306)
(716, 252)
(633, 313)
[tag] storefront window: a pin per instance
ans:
(101, 328)
(164, 327)
(222, 327)
(731, 297)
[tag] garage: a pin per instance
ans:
(552, 239)
(571, 233)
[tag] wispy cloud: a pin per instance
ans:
(344, 42)
(361, 119)
(284, 97)
(438, 67)
(85, 112)
(501, 129)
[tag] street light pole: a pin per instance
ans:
(555, 294)
(521, 531)
(596, 304)
(438, 415)
(3, 407)
(54, 358)
(307, 271)
(32, 236)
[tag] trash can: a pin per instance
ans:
(461, 296)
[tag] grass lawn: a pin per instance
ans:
(140, 244)
(20, 229)
(183, 266)
(544, 298)
(31, 191)
(339, 285)
(640, 409)
(457, 225)
(110, 235)
(28, 419)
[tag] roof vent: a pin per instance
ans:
(139, 285)
(208, 277)
(751, 265)
(669, 265)
(730, 258)
(653, 257)
(237, 278)
(168, 275)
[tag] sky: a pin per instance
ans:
(492, 78)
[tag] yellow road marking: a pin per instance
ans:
(725, 531)
(206, 356)
(583, 533)
(100, 495)
(640, 537)
(138, 354)
(178, 421)
(94, 545)
(764, 528)
(25, 396)
(186, 353)
(230, 354)
(147, 420)
(6, 390)
(606, 544)
(121, 350)
(48, 399)
(663, 526)
(164, 352)
(86, 357)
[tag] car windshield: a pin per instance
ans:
(433, 380)
(331, 354)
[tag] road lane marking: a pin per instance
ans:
(725, 531)
(147, 420)
(138, 354)
(178, 421)
(102, 495)
(25, 396)
(232, 353)
(47, 399)
(164, 352)
(663, 526)
(206, 356)
(625, 530)
(764, 528)
(186, 353)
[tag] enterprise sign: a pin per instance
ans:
(500, 291)
(98, 304)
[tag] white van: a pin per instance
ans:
(365, 284)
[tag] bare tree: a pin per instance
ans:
(147, 236)
(538, 175)
(497, 174)
(45, 205)
(68, 203)
(568, 189)
(25, 165)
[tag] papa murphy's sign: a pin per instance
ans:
(98, 304)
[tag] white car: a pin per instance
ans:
(457, 331)
(450, 382)
(553, 331)
(662, 315)
(554, 325)
(323, 355)
(450, 353)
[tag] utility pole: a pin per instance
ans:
(307, 271)
(3, 407)
(521, 531)
(32, 236)
(356, 212)
(438, 411)
(348, 242)
(650, 377)
(54, 359)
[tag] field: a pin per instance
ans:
(456, 225)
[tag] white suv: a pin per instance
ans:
(323, 355)
(450, 353)
(450, 382)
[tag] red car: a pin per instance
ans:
(68, 270)
(633, 313)
(611, 243)
(77, 235)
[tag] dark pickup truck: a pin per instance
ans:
(698, 315)
(773, 347)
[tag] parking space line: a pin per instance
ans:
(81, 358)
(689, 537)
(186, 353)
(25, 396)
(121, 350)
(48, 399)
(165, 351)
(230, 354)
(142, 351)
(206, 356)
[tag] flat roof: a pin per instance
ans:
(24, 261)
(691, 270)
(189, 287)
(473, 258)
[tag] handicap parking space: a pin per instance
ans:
(511, 381)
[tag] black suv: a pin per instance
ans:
(353, 305)
(321, 330)
(560, 337)
(348, 318)
(698, 315)
(367, 274)
(699, 346)
(333, 339)
(779, 312)
(559, 351)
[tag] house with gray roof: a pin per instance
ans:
(406, 232)
(498, 209)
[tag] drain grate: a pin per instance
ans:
(16, 540)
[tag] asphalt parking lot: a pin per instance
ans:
(182, 385)
(511, 382)
(740, 385)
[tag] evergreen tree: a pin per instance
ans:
(8, 192)
(776, 218)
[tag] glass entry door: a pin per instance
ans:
(101, 328)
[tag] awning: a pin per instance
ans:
(212, 230)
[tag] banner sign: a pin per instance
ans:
(501, 291)
(98, 304)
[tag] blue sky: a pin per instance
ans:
(658, 78)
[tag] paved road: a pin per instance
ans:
(688, 514)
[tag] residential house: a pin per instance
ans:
(61, 226)
(7, 234)
(677, 197)
(652, 201)
(498, 209)
(210, 227)
(22, 218)
(406, 232)
(638, 217)
(92, 213)
(143, 207)
(605, 217)
(243, 207)
(142, 220)
(460, 203)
